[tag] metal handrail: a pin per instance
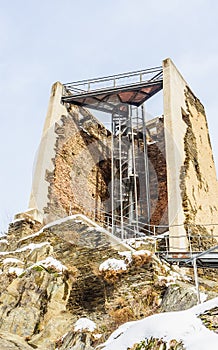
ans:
(201, 254)
(140, 77)
(116, 76)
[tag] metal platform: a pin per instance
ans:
(206, 259)
(108, 93)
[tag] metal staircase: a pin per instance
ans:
(205, 259)
(122, 96)
(129, 169)
(195, 260)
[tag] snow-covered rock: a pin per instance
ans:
(113, 264)
(183, 326)
(50, 262)
(84, 324)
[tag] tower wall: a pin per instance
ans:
(191, 176)
(70, 175)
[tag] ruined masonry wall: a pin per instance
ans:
(158, 176)
(78, 183)
(199, 187)
(191, 176)
(70, 175)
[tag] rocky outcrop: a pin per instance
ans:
(178, 297)
(210, 319)
(10, 341)
(74, 269)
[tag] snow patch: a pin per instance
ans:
(113, 264)
(17, 220)
(183, 326)
(4, 241)
(32, 236)
(12, 261)
(84, 324)
(17, 270)
(151, 142)
(85, 131)
(127, 255)
(203, 296)
(97, 336)
(142, 252)
(64, 336)
(78, 221)
(137, 242)
(32, 246)
(50, 262)
(134, 242)
(98, 229)
(167, 279)
(91, 229)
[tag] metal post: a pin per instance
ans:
(199, 241)
(196, 280)
(166, 243)
(108, 223)
(134, 173)
(155, 241)
(138, 162)
(146, 166)
(130, 204)
(190, 245)
(112, 175)
(121, 183)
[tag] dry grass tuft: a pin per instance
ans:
(141, 259)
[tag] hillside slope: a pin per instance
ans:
(70, 284)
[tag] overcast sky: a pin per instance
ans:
(43, 41)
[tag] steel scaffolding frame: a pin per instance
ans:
(129, 170)
(123, 97)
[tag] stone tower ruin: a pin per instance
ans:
(136, 176)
